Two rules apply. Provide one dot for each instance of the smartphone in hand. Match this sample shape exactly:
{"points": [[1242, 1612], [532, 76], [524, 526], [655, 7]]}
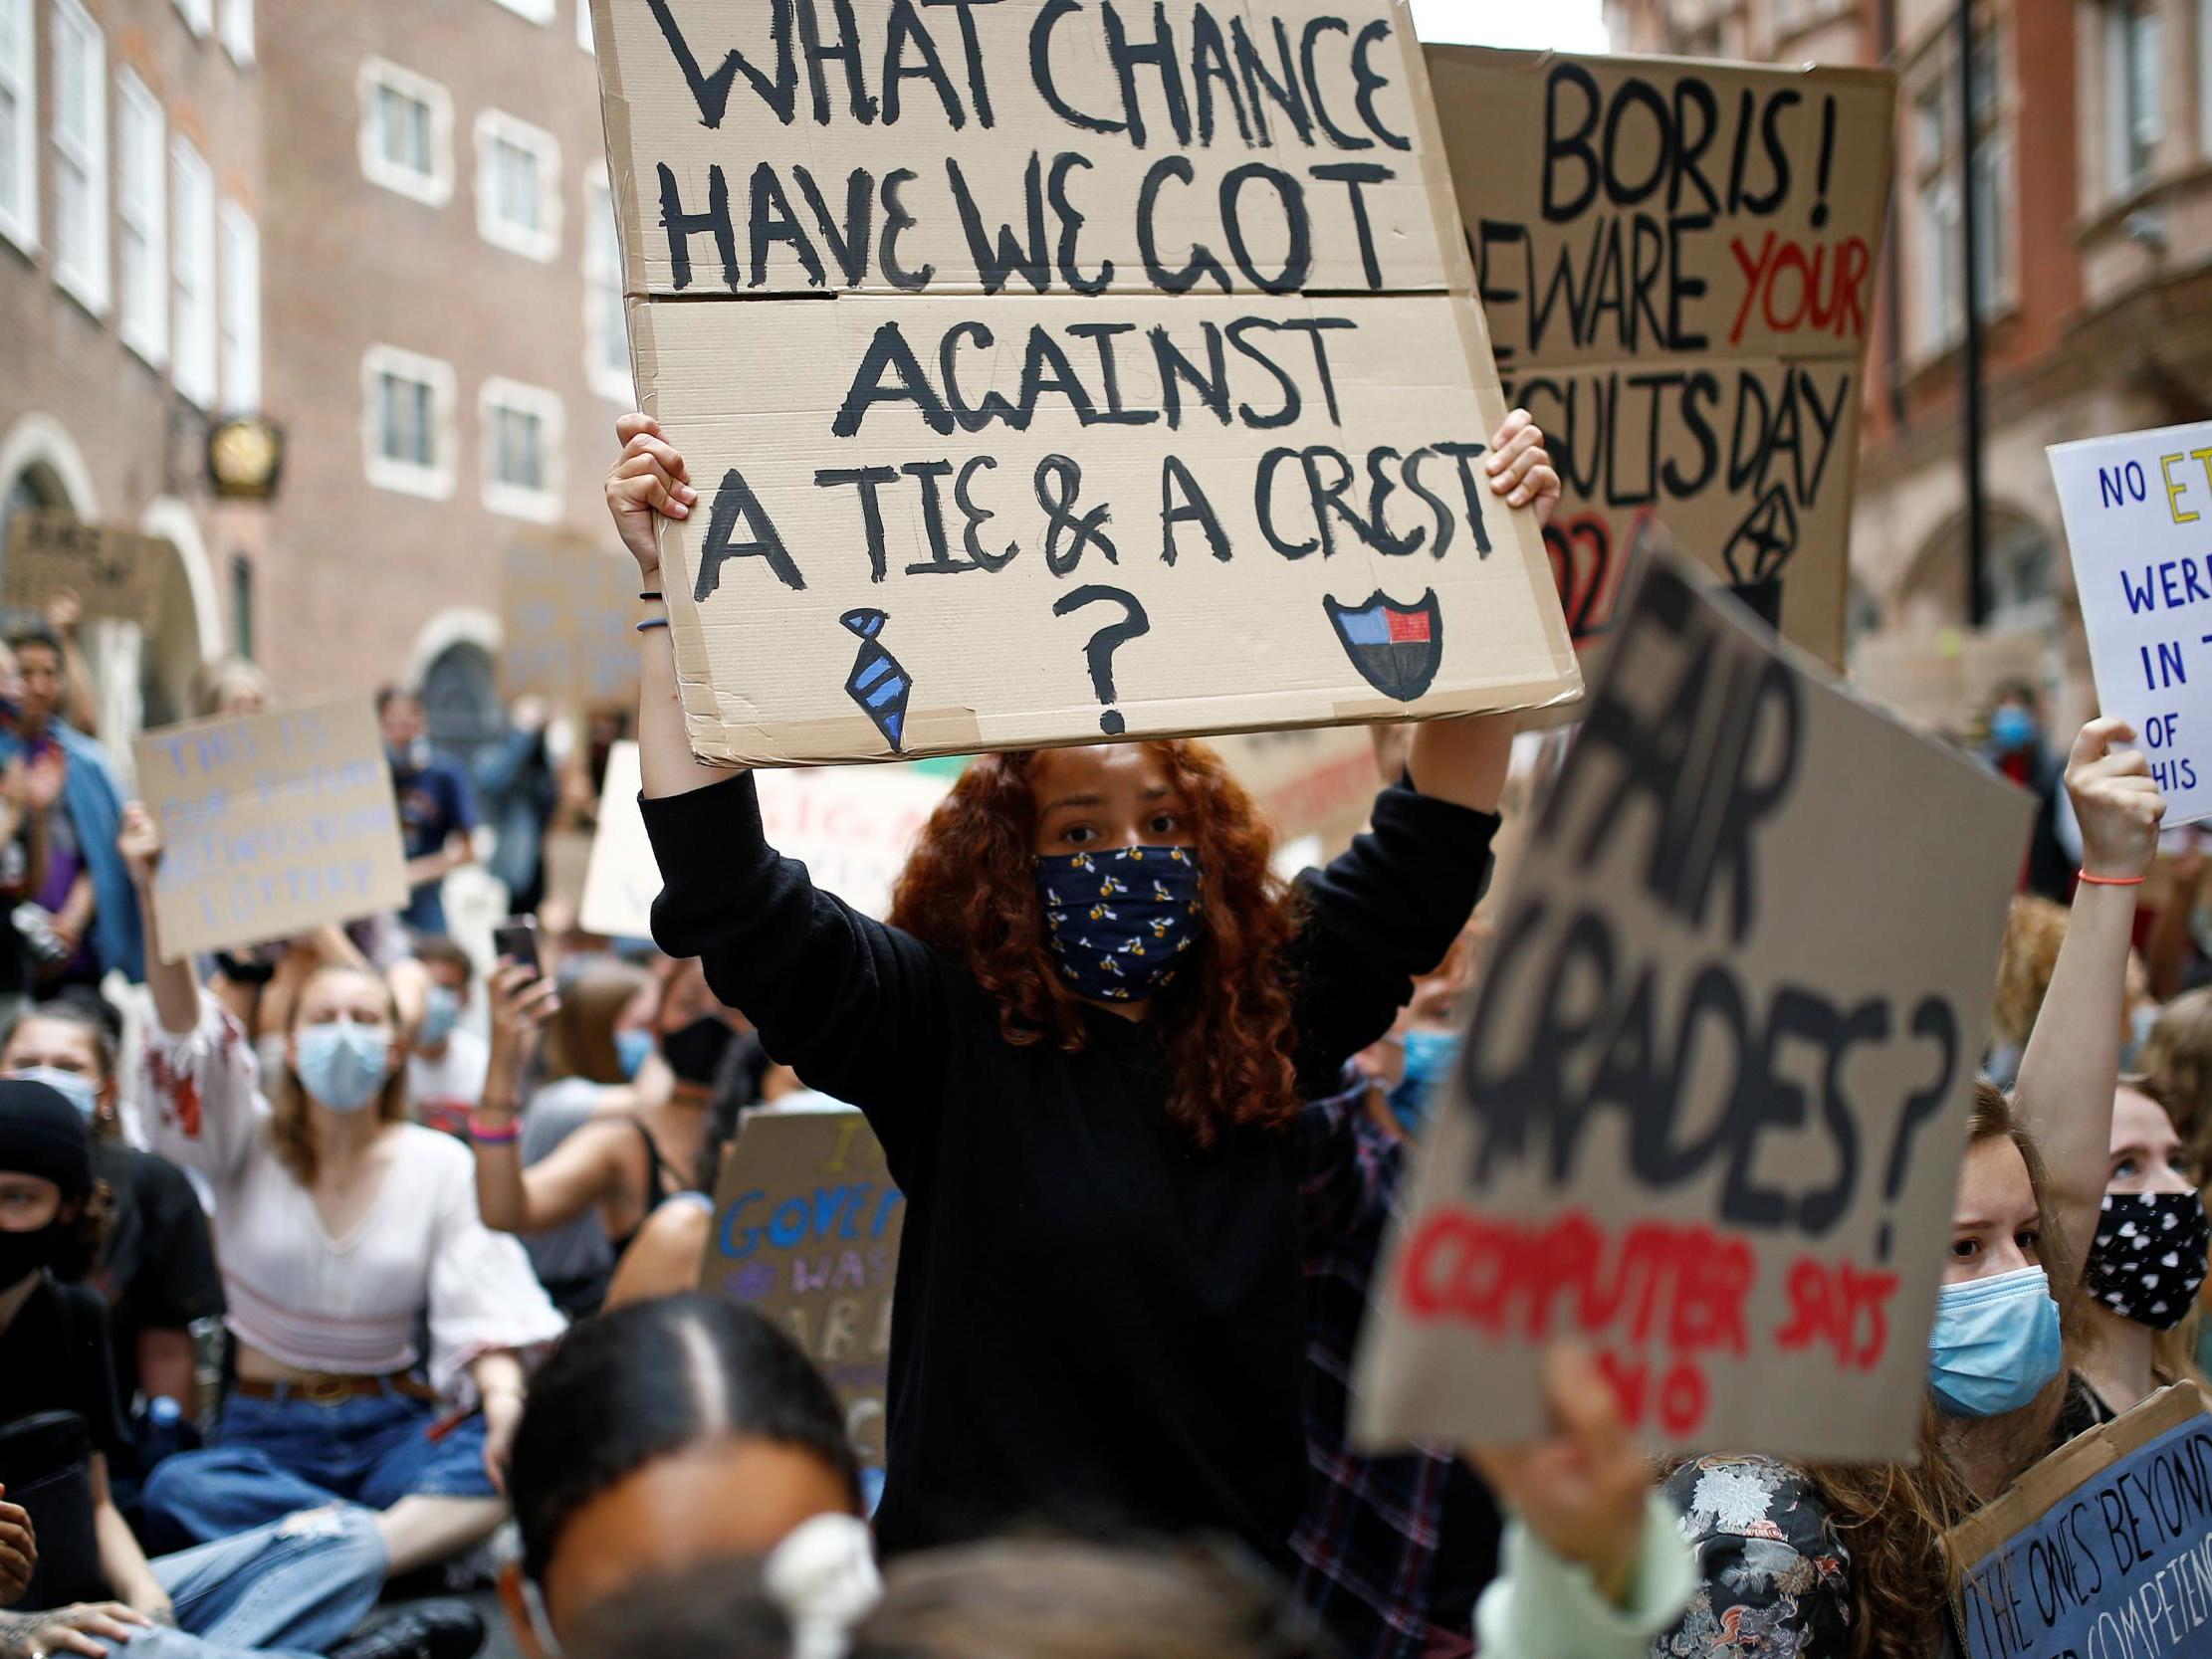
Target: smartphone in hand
{"points": [[515, 939]]}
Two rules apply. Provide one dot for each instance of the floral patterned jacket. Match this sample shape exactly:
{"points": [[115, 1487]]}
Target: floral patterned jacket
{"points": [[1773, 1575]]}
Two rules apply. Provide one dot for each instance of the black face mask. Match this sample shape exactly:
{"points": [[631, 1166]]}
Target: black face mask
{"points": [[245, 970], [695, 1053], [23, 1254], [2148, 1259]]}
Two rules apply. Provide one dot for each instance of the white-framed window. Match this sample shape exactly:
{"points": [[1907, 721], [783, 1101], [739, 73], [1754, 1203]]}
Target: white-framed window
{"points": [[80, 156], [584, 26], [524, 436], [198, 15], [517, 185], [235, 26], [407, 437], [538, 11], [141, 219], [19, 123], [2136, 111], [406, 132], [192, 274], [606, 325], [1938, 228], [240, 309]]}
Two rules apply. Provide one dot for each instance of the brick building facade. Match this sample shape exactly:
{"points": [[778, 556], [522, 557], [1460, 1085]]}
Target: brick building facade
{"points": [[2095, 136], [384, 227]]}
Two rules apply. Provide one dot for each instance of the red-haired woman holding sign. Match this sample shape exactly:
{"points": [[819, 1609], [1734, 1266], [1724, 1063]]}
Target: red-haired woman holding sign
{"points": [[1099, 1311]]}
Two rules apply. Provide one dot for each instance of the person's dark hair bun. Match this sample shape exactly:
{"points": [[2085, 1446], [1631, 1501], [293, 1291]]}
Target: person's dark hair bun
{"points": [[645, 1381]]}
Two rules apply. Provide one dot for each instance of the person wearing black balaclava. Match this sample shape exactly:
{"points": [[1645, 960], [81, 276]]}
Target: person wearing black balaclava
{"points": [[622, 1164], [298, 1586], [2146, 1257]]}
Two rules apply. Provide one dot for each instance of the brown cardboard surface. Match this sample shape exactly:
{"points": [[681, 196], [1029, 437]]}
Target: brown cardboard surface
{"points": [[807, 1230], [272, 824], [111, 571], [773, 174], [566, 607], [1697, 1056], [2125, 1568], [1678, 261], [1243, 643], [1026, 420]]}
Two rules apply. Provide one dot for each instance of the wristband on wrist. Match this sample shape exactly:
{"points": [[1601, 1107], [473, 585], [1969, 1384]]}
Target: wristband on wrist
{"points": [[652, 622], [494, 1135], [2089, 880], [652, 598]]}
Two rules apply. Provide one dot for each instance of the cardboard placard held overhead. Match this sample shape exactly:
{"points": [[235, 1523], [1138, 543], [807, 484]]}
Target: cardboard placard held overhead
{"points": [[567, 608], [272, 824], [2138, 518], [111, 571], [1709, 1110], [623, 878], [1041, 388], [2104, 1548], [851, 829], [1678, 261], [806, 1229]]}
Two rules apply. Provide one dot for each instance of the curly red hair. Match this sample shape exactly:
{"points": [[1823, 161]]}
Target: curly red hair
{"points": [[1226, 1022]]}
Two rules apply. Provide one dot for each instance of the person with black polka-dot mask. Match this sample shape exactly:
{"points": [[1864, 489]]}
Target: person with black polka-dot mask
{"points": [[2146, 1259]]}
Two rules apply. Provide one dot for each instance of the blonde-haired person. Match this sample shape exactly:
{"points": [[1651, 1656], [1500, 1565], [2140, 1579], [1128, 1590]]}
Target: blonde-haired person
{"points": [[2034, 929], [344, 1228], [1844, 1561], [230, 687]]}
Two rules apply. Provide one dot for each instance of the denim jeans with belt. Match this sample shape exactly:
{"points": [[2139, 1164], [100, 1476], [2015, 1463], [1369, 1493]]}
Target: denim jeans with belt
{"points": [[297, 1587], [269, 1458]]}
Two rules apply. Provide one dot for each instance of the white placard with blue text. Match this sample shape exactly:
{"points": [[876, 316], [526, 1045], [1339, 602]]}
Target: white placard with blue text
{"points": [[2139, 514]]}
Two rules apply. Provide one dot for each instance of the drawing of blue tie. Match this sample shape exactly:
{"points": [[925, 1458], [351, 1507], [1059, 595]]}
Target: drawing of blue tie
{"points": [[877, 682]]}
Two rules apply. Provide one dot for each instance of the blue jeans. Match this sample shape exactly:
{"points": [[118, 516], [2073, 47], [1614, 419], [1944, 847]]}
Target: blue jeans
{"points": [[270, 1458], [296, 1587]]}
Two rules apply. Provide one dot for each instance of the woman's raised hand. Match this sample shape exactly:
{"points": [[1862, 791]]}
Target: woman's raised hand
{"points": [[2117, 800], [649, 476], [1585, 1491]]}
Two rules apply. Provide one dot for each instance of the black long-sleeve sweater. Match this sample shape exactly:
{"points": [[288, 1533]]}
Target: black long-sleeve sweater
{"points": [[1096, 1324]]}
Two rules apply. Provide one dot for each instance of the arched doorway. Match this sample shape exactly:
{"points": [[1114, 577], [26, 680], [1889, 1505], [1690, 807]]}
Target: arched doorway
{"points": [[460, 700]]}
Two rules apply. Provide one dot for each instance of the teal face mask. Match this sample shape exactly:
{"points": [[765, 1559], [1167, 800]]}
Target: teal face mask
{"points": [[631, 1050], [441, 1012], [1429, 1057], [1995, 1345]]}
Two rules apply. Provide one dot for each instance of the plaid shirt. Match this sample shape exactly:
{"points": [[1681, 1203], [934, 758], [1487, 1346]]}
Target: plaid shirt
{"points": [[1368, 1544]]}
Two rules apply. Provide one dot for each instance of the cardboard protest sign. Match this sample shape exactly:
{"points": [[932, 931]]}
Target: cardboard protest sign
{"points": [[1678, 260], [272, 824], [1319, 781], [1709, 1110], [806, 1229], [2103, 1550], [852, 829], [1044, 382], [111, 571], [566, 610], [623, 878], [2138, 517]]}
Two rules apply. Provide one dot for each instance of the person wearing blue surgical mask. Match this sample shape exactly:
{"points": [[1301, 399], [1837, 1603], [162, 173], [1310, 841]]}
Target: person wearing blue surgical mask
{"points": [[157, 1263], [1801, 1559], [347, 1228], [2016, 751], [446, 1061]]}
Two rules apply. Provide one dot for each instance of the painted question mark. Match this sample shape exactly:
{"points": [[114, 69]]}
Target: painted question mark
{"points": [[1932, 1019], [1101, 648]]}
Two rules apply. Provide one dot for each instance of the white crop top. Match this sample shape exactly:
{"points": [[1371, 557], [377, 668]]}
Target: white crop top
{"points": [[347, 1306]]}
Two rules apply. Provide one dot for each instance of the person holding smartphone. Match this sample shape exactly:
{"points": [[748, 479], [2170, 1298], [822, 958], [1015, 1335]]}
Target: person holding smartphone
{"points": [[619, 1165], [345, 1227]]}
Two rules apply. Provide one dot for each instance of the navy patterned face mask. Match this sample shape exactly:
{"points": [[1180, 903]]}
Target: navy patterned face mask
{"points": [[1120, 922]]}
